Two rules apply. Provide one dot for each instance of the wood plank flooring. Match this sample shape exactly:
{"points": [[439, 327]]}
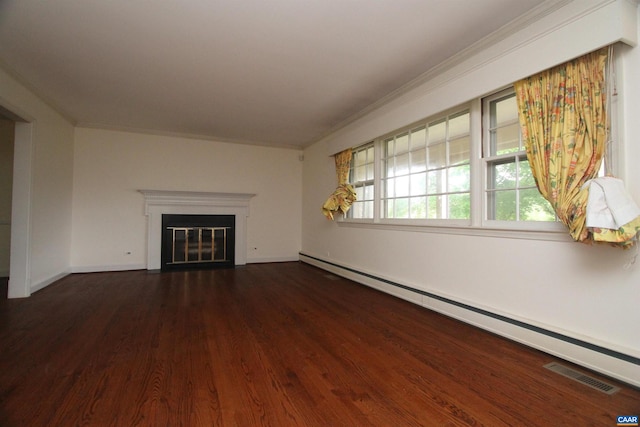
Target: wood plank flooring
{"points": [[281, 344]]}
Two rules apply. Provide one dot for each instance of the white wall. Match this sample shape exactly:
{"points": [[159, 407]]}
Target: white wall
{"points": [[110, 166], [47, 173], [583, 292]]}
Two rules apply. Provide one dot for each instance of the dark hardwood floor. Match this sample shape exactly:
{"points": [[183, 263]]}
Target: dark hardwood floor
{"points": [[269, 345]]}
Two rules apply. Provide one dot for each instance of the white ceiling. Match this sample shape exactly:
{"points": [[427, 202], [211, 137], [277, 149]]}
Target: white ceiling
{"points": [[276, 72]]}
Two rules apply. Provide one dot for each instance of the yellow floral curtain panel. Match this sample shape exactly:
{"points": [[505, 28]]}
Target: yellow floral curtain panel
{"points": [[344, 195], [563, 118]]}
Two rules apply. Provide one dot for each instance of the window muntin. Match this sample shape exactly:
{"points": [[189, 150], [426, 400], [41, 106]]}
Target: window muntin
{"points": [[361, 177], [426, 170], [510, 189]]}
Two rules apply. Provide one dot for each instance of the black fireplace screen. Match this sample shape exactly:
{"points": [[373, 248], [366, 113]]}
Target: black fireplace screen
{"points": [[197, 241]]}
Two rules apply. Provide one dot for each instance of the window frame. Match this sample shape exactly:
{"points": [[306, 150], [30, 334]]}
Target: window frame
{"points": [[446, 140], [488, 159], [356, 184]]}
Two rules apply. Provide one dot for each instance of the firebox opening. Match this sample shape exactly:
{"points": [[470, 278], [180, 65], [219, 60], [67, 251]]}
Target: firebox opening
{"points": [[197, 241]]}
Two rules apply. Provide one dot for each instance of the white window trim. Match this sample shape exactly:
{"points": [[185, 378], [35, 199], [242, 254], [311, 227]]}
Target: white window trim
{"points": [[462, 230]]}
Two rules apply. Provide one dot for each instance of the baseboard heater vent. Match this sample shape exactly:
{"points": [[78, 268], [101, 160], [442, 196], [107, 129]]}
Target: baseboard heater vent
{"points": [[582, 378]]}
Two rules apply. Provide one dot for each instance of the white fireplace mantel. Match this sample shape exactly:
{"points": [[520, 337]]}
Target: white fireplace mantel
{"points": [[159, 202]]}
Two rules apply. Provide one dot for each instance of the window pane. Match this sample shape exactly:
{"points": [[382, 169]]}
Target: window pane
{"points": [[460, 206], [418, 138], [505, 139], [389, 145], [401, 208], [355, 211], [361, 177], [534, 207], [506, 110], [437, 132], [402, 164], [368, 193], [389, 167], [437, 156], [459, 125], [389, 210], [459, 178], [526, 176], [459, 151], [502, 175], [418, 184], [436, 182], [368, 209], [419, 160], [418, 207], [435, 207], [388, 187], [402, 144], [370, 154], [402, 186], [504, 203], [369, 171]]}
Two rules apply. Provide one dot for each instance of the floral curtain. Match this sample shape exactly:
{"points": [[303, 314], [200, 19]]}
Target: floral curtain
{"points": [[563, 118], [344, 195]]}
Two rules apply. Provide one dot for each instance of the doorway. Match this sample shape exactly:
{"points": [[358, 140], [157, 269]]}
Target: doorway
{"points": [[18, 204]]}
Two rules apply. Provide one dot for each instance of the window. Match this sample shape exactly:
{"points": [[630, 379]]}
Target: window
{"points": [[510, 190], [463, 168], [426, 170], [361, 177]]}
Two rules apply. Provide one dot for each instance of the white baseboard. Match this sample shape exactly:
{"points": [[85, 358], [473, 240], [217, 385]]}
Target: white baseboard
{"points": [[36, 286], [128, 267], [599, 357], [103, 268], [271, 259]]}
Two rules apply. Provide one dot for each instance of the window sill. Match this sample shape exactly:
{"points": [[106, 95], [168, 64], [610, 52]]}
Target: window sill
{"points": [[505, 230]]}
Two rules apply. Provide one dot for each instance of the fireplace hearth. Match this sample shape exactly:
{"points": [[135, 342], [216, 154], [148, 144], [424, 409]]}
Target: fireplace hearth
{"points": [[197, 241]]}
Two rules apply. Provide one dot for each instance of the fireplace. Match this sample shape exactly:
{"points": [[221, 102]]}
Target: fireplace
{"points": [[197, 241], [158, 203]]}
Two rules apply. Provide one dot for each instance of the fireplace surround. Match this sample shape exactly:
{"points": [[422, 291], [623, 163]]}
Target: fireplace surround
{"points": [[159, 202]]}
